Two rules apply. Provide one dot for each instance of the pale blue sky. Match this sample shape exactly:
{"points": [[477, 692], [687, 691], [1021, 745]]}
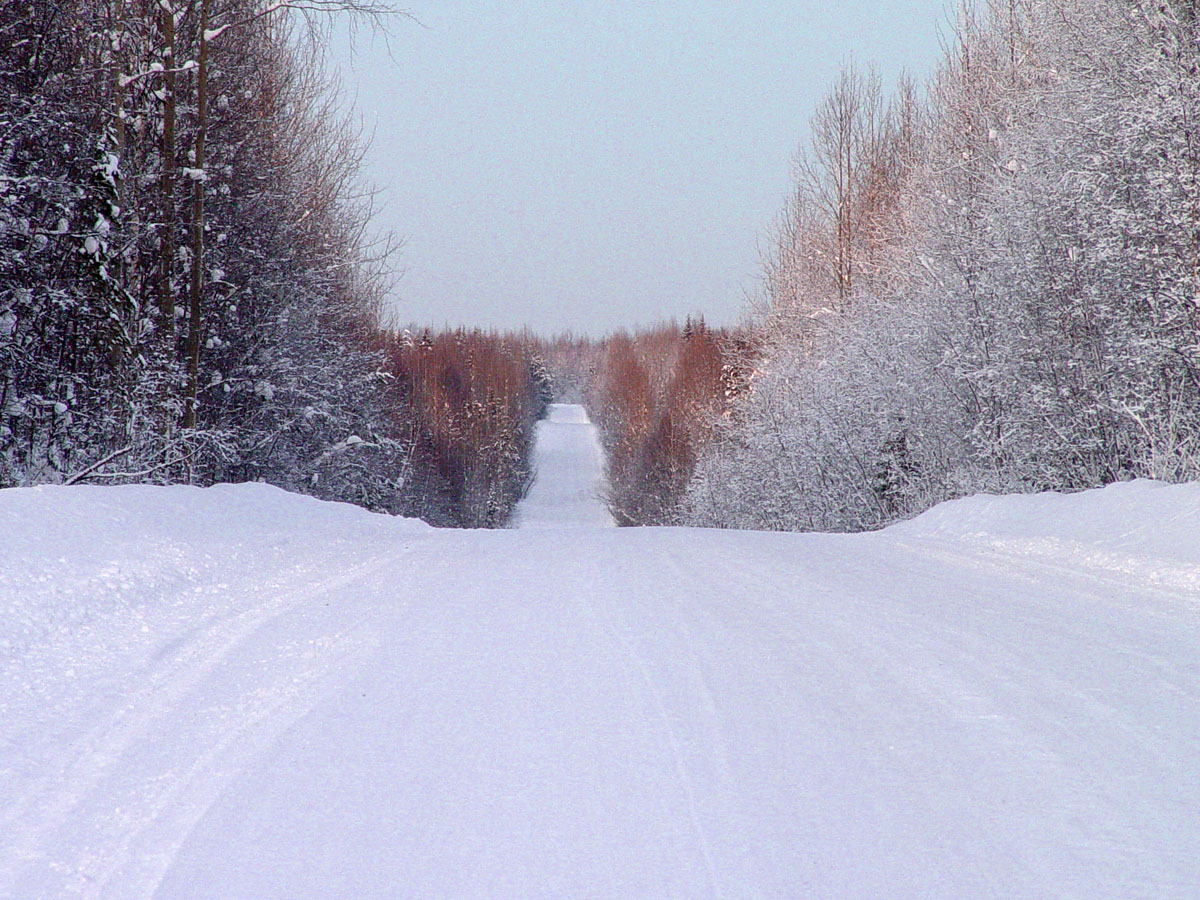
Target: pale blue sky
{"points": [[587, 166]]}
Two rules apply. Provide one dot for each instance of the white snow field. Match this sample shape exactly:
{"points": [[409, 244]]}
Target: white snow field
{"points": [[241, 694]]}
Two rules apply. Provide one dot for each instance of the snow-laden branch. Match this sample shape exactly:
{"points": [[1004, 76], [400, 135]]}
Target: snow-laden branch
{"points": [[369, 8], [156, 69]]}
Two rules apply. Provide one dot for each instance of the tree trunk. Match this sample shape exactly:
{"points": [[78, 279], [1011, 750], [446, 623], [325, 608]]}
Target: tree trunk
{"points": [[196, 284], [166, 293]]}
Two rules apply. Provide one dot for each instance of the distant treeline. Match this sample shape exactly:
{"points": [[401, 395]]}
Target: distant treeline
{"points": [[472, 400], [654, 396]]}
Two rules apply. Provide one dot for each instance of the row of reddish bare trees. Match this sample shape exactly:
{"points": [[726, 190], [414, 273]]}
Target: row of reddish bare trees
{"points": [[471, 401], [654, 396]]}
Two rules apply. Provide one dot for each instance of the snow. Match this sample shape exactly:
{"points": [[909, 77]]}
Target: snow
{"points": [[568, 473], [1145, 529], [242, 693]]}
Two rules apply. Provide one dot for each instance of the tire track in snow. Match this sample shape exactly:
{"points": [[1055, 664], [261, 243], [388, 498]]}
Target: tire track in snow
{"points": [[673, 742], [39, 812], [175, 814]]}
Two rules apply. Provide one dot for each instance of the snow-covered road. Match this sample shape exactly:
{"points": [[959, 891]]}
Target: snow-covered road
{"points": [[569, 473], [239, 693]]}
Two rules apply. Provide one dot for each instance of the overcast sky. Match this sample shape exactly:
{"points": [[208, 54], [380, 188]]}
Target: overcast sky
{"points": [[591, 165]]}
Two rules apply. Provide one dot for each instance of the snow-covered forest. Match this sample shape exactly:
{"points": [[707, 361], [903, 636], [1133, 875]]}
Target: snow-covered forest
{"points": [[185, 294], [987, 283], [186, 290]]}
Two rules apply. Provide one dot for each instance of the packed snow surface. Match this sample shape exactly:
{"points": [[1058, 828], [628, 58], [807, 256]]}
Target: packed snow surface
{"points": [[241, 694], [569, 473]]}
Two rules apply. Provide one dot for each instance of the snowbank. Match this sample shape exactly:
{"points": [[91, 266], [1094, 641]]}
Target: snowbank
{"points": [[1147, 530], [96, 580], [95, 549]]}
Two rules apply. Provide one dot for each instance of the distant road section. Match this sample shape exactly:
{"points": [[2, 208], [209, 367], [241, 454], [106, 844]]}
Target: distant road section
{"points": [[569, 473]]}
